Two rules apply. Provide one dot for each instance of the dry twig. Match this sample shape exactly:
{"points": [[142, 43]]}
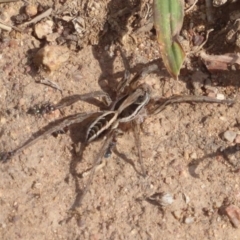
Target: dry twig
{"points": [[219, 62], [8, 27], [192, 6], [7, 1], [5, 27], [229, 58], [39, 17]]}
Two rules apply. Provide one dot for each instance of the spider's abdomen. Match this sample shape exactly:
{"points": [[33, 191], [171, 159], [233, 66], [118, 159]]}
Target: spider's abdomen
{"points": [[100, 125]]}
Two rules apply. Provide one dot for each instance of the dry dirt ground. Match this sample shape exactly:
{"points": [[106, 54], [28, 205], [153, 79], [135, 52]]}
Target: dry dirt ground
{"points": [[184, 152]]}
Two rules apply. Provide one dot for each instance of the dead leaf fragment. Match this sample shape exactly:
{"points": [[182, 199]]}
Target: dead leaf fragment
{"points": [[79, 25], [51, 57], [219, 62]]}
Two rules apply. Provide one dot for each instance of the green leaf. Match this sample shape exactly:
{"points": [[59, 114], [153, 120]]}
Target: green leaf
{"points": [[168, 20]]}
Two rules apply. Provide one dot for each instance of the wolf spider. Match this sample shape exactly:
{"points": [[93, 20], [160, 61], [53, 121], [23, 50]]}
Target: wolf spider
{"points": [[126, 108]]}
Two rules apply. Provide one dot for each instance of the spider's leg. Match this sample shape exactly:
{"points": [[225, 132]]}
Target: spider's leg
{"points": [[133, 82], [67, 101], [98, 167], [126, 81], [127, 74], [107, 154], [180, 99], [136, 132], [47, 130], [109, 138], [139, 77]]}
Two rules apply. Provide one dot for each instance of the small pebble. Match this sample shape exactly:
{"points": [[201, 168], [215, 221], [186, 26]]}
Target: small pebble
{"points": [[217, 204], [77, 76], [229, 135], [163, 199], [133, 231], [198, 80], [52, 37], [233, 212], [166, 199], [167, 180], [183, 173], [222, 118], [189, 220], [43, 29], [220, 96], [237, 139], [53, 115], [13, 44], [177, 214], [218, 3], [186, 154], [21, 102], [237, 196], [193, 155], [13, 135], [4, 17], [211, 94], [3, 120], [4, 225], [31, 10], [233, 67], [186, 198]]}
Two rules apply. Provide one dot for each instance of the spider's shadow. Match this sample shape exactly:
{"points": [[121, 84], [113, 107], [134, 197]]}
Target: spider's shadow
{"points": [[115, 28], [225, 153]]}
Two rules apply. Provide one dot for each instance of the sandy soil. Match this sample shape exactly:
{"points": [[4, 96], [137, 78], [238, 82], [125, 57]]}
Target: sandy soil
{"points": [[184, 151]]}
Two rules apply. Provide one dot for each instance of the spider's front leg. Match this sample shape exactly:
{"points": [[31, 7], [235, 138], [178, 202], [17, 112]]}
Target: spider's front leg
{"points": [[46, 108], [133, 83], [59, 124], [88, 97], [159, 107]]}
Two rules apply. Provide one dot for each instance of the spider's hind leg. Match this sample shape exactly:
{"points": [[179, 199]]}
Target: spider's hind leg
{"points": [[47, 130], [97, 161], [108, 152]]}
